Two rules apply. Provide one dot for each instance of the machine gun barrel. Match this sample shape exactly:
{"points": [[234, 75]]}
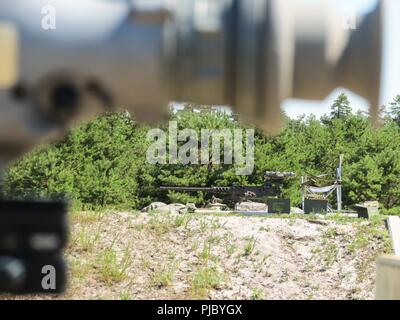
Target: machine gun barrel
{"points": [[214, 190], [276, 175], [248, 54], [251, 191], [187, 189]]}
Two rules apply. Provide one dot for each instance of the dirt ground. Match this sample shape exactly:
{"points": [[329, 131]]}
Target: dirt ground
{"points": [[163, 256]]}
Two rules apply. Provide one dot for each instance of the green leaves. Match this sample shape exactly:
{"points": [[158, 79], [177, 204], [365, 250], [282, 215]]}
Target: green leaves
{"points": [[96, 165], [394, 109], [341, 107], [103, 163]]}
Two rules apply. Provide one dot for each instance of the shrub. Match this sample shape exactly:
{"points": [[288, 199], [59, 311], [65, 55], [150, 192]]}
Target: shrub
{"points": [[103, 163]]}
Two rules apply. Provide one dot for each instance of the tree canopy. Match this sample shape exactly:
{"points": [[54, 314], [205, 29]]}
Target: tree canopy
{"points": [[103, 162], [341, 109]]}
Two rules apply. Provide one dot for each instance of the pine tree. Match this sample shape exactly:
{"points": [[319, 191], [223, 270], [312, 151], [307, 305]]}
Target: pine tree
{"points": [[341, 107], [394, 110]]}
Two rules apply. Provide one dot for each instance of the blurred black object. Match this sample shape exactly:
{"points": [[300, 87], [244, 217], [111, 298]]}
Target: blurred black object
{"points": [[32, 238]]}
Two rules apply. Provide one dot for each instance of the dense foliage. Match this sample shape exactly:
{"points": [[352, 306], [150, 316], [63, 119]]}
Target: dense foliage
{"points": [[103, 163]]}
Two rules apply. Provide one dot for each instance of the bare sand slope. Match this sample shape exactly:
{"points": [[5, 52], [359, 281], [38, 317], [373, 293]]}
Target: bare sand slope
{"points": [[159, 256]]}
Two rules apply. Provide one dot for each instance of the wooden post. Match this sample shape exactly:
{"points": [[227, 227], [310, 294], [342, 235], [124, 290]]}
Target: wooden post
{"points": [[393, 224], [339, 182], [388, 278], [302, 192], [388, 273]]}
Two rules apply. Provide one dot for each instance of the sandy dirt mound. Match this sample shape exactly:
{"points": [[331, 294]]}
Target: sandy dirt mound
{"points": [[164, 256]]}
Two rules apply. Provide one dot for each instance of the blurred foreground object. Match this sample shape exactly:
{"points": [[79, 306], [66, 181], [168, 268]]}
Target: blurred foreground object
{"points": [[388, 266], [32, 238], [77, 60], [388, 278]]}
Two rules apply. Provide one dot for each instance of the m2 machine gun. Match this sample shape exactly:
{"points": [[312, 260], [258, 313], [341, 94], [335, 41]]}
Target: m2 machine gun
{"points": [[231, 195]]}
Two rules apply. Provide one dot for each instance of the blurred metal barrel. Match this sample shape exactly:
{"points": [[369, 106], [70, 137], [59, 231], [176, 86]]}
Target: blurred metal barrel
{"points": [[140, 55]]}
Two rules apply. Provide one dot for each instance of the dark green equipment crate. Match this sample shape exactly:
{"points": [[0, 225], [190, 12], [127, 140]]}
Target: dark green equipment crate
{"points": [[366, 212], [315, 206], [278, 205]]}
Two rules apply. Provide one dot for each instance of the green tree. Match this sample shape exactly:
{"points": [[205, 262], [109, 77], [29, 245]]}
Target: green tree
{"points": [[96, 165], [103, 163], [394, 109], [196, 174], [340, 108]]}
